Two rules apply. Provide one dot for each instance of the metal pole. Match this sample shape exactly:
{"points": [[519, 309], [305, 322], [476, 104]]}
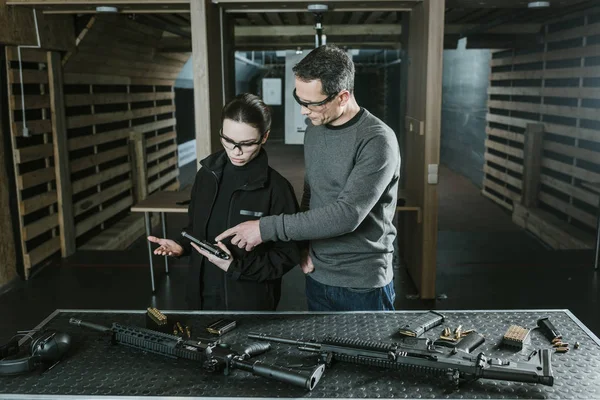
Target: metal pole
{"points": [[149, 233], [164, 229], [318, 38], [597, 241]]}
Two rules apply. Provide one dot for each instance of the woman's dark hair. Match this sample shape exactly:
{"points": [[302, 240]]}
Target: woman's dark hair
{"points": [[331, 65], [248, 109]]}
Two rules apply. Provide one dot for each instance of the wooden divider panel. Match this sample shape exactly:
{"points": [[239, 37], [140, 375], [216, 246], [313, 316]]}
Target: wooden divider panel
{"points": [[101, 118], [556, 85], [33, 156], [115, 85]]}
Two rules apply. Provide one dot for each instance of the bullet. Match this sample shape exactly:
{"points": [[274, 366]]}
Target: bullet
{"points": [[448, 338]]}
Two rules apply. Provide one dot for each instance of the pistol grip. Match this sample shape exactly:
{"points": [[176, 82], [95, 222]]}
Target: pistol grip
{"points": [[470, 342]]}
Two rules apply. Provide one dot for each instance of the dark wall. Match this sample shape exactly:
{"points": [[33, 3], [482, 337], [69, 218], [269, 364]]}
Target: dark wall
{"points": [[393, 88], [186, 131], [378, 89], [464, 108], [184, 106], [368, 90]]}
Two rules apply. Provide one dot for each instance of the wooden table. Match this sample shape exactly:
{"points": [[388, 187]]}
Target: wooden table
{"points": [[595, 187], [161, 202]]}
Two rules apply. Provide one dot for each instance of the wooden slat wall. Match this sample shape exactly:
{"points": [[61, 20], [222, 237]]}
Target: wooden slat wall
{"points": [[558, 86], [33, 157], [115, 83], [99, 150]]}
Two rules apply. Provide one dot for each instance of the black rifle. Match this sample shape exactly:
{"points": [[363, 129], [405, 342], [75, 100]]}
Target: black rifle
{"points": [[214, 355], [421, 355]]}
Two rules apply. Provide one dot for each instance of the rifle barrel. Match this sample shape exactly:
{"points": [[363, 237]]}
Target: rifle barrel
{"points": [[263, 336], [96, 327]]}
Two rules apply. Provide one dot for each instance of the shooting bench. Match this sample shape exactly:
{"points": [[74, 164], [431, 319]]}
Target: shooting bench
{"points": [[95, 368]]}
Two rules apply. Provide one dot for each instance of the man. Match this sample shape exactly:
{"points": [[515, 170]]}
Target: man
{"points": [[352, 170]]}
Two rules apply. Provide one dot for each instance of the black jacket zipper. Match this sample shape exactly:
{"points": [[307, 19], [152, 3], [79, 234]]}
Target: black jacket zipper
{"points": [[206, 231]]}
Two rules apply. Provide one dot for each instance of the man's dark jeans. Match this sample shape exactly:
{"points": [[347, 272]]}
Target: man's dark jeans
{"points": [[322, 297]]}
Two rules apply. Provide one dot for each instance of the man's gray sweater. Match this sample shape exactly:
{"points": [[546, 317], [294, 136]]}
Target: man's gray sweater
{"points": [[351, 186]]}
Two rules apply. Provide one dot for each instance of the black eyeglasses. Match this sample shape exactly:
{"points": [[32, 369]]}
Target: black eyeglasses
{"points": [[231, 145], [314, 104]]}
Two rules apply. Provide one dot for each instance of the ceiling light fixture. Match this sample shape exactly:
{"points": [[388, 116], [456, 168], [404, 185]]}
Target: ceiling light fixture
{"points": [[538, 4], [107, 9], [318, 10]]}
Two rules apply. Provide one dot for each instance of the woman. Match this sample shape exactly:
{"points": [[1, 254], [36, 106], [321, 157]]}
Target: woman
{"points": [[235, 185]]}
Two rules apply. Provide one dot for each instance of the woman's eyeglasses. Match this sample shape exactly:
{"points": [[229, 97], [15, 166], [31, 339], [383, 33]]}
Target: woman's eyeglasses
{"points": [[231, 145]]}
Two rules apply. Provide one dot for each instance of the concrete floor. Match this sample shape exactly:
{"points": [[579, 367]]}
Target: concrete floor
{"points": [[484, 262]]}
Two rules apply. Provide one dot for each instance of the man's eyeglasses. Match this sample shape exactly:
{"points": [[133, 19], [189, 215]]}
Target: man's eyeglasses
{"points": [[243, 146], [314, 104]]}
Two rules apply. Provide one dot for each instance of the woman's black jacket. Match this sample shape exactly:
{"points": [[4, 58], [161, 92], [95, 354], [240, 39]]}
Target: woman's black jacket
{"points": [[253, 281]]}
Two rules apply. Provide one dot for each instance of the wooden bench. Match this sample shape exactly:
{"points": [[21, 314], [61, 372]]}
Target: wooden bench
{"points": [[402, 207]]}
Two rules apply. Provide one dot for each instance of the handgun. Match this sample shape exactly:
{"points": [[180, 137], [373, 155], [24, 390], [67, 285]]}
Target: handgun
{"points": [[216, 251]]}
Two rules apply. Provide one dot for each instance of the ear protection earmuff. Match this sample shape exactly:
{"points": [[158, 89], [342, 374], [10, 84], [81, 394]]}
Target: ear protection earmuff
{"points": [[45, 348]]}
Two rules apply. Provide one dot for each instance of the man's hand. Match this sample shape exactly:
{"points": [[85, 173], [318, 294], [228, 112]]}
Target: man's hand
{"points": [[245, 235], [306, 263], [219, 262], [167, 247]]}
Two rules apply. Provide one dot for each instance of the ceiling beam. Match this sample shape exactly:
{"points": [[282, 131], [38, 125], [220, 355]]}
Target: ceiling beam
{"points": [[95, 3], [308, 30], [310, 44], [509, 29], [370, 29], [387, 35], [154, 22], [89, 7], [362, 4], [183, 6], [304, 10]]}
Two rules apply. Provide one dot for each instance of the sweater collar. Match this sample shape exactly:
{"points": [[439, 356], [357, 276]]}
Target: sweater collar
{"points": [[348, 123]]}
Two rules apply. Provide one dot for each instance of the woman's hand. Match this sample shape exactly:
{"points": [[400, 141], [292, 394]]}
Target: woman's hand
{"points": [[219, 262], [167, 247], [306, 262]]}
